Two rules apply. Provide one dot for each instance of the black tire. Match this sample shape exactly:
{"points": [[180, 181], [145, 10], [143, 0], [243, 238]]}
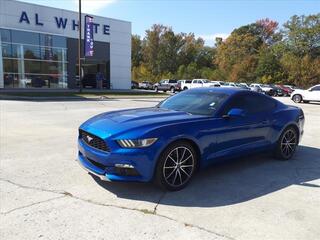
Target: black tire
{"points": [[156, 89], [174, 175], [185, 88], [172, 90], [287, 144], [297, 98]]}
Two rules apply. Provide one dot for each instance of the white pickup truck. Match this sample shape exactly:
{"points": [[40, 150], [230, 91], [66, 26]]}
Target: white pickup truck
{"points": [[196, 83]]}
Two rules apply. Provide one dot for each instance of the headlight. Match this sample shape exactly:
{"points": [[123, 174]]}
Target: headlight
{"points": [[136, 143]]}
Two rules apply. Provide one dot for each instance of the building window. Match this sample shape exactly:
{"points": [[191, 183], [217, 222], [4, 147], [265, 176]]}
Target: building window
{"points": [[33, 60]]}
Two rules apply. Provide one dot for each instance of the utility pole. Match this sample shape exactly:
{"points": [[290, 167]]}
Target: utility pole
{"points": [[79, 47]]}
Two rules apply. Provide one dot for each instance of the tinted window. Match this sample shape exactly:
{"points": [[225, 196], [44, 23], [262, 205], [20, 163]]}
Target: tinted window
{"points": [[188, 81], [25, 37], [5, 35], [251, 104], [172, 81], [317, 88], [202, 103], [52, 41]]}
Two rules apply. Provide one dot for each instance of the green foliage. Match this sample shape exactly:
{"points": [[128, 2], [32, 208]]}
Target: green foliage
{"points": [[257, 52]]}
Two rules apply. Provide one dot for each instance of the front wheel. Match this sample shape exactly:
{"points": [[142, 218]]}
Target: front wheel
{"points": [[297, 98], [156, 89], [172, 90], [176, 166], [287, 144]]}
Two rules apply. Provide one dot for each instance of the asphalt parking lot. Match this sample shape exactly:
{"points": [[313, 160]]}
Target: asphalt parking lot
{"points": [[46, 195]]}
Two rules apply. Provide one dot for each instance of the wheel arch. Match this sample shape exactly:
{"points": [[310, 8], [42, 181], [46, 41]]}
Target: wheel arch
{"points": [[191, 141], [297, 94], [291, 124]]}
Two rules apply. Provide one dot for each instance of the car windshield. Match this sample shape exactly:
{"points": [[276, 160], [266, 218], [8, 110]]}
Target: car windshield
{"points": [[199, 103]]}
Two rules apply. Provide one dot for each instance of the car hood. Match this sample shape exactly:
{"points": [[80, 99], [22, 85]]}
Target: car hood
{"points": [[114, 123]]}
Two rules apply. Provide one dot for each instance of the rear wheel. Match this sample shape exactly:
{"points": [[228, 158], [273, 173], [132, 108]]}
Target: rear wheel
{"points": [[297, 98], [287, 144], [172, 90], [185, 88], [176, 166]]}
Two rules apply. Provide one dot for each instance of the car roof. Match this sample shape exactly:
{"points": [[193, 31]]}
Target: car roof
{"points": [[226, 90]]}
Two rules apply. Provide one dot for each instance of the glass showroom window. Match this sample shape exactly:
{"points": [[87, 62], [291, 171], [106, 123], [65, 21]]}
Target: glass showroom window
{"points": [[33, 60]]}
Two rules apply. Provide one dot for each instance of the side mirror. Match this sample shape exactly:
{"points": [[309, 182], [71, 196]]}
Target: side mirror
{"points": [[235, 112]]}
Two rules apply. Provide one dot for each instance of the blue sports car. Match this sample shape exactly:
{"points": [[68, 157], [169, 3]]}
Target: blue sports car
{"points": [[188, 131]]}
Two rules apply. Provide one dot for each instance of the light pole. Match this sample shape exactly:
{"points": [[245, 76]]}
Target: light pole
{"points": [[79, 47]]}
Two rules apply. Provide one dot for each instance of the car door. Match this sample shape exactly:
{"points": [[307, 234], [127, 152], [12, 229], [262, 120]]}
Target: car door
{"points": [[197, 84], [164, 85], [250, 131], [314, 94]]}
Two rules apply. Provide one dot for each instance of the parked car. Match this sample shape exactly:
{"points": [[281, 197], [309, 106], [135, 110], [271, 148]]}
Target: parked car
{"points": [[239, 85], [244, 84], [145, 85], [183, 84], [230, 84], [215, 84], [89, 80], [197, 83], [312, 94], [167, 85], [134, 85], [265, 88], [276, 90], [256, 88], [286, 91], [189, 131]]}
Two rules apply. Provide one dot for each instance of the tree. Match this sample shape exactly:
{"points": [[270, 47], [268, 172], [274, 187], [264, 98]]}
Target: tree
{"points": [[237, 57], [269, 69], [302, 35], [136, 51]]}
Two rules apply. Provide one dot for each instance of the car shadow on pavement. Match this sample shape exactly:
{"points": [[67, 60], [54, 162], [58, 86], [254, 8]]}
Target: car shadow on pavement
{"points": [[231, 182]]}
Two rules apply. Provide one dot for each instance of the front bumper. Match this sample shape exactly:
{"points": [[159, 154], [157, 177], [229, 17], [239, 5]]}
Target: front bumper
{"points": [[120, 165]]}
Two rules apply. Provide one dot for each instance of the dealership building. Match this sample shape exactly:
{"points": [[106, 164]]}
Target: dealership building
{"points": [[39, 49]]}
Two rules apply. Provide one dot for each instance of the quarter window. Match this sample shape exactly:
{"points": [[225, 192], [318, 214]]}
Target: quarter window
{"points": [[251, 104]]}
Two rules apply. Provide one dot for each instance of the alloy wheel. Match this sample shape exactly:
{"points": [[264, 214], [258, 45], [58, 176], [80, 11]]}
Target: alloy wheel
{"points": [[178, 166], [288, 143], [297, 98]]}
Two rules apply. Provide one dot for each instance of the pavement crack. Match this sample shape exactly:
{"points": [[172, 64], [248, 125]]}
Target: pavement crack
{"points": [[36, 188], [156, 206], [146, 211], [30, 205], [143, 211]]}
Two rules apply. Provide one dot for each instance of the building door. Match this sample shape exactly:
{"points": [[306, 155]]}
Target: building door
{"points": [[89, 72]]}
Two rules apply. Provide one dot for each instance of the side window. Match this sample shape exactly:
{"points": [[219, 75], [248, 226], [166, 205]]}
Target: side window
{"points": [[251, 104], [236, 102], [257, 104], [317, 88]]}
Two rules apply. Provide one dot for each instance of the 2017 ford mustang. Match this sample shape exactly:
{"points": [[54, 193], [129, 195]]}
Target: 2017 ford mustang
{"points": [[190, 130]]}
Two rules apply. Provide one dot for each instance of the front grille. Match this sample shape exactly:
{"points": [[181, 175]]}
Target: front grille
{"points": [[93, 141]]}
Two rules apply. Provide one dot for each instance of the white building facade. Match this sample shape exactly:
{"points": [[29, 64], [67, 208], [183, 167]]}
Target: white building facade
{"points": [[39, 49]]}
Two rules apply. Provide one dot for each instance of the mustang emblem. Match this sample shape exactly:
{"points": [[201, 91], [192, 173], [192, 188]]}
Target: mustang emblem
{"points": [[89, 139]]}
